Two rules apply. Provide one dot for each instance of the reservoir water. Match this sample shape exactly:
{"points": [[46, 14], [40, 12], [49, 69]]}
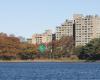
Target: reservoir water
{"points": [[49, 71]]}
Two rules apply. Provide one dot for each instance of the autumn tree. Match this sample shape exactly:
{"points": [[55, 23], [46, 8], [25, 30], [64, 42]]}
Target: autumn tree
{"points": [[27, 51], [62, 48], [9, 46], [12, 48]]}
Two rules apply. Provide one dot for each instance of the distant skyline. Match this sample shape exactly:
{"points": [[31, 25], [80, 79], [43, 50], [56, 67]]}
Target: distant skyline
{"points": [[26, 17]]}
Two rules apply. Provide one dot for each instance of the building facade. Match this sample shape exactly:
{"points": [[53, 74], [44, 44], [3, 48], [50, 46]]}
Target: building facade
{"points": [[29, 41], [66, 29], [46, 37], [86, 28], [82, 28]]}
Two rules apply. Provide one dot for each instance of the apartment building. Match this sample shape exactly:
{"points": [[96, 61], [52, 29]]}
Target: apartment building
{"points": [[82, 28], [46, 37], [86, 28], [65, 29], [29, 41]]}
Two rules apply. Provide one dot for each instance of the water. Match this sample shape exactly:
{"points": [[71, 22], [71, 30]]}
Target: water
{"points": [[50, 71]]}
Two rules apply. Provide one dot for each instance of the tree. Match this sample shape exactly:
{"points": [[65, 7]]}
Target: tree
{"points": [[90, 51], [28, 51], [12, 48], [61, 48], [8, 47]]}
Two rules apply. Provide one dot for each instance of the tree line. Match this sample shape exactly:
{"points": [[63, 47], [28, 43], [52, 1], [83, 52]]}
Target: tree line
{"points": [[11, 48], [90, 51]]}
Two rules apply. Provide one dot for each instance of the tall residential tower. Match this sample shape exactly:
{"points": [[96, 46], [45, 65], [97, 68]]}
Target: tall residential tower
{"points": [[86, 28], [82, 28], [66, 29]]}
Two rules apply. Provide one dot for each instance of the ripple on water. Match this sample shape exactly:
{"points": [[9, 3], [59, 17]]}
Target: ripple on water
{"points": [[49, 71]]}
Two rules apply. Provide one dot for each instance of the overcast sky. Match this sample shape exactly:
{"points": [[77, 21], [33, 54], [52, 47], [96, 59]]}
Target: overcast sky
{"points": [[26, 17]]}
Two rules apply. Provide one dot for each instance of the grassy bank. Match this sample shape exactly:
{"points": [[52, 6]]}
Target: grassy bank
{"points": [[45, 60]]}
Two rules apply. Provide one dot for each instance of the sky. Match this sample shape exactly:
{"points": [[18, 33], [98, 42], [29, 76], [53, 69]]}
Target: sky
{"points": [[26, 17]]}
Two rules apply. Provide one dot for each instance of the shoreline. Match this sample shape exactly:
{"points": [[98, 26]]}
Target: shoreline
{"points": [[42, 60], [50, 60]]}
